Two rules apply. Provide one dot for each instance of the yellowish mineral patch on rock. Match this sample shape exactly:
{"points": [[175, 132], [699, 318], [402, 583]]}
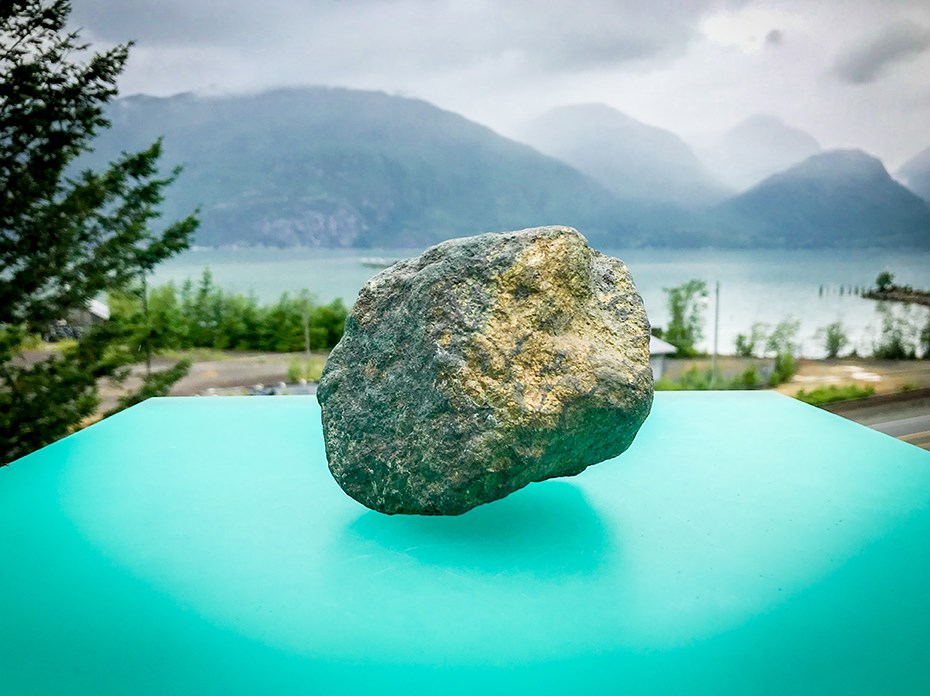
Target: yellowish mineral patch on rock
{"points": [[547, 333]]}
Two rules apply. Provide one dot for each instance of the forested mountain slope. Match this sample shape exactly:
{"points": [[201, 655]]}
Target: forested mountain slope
{"points": [[337, 167]]}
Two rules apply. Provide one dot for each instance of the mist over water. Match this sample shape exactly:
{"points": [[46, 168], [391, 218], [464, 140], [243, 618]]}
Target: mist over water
{"points": [[755, 285]]}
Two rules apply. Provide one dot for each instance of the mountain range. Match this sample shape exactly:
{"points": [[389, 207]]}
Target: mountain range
{"points": [[337, 167], [755, 149], [633, 160], [916, 174], [835, 198]]}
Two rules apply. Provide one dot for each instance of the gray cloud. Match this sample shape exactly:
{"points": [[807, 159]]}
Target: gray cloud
{"points": [[869, 59], [502, 61], [335, 38]]}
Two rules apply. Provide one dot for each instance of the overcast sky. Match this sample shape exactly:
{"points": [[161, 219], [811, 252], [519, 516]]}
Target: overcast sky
{"points": [[853, 73]]}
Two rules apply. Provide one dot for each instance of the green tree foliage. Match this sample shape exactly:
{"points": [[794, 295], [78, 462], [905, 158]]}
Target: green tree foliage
{"points": [[65, 237], [781, 342], [686, 316], [925, 339], [781, 339], [884, 281], [158, 384], [204, 316], [834, 338], [749, 344], [899, 334]]}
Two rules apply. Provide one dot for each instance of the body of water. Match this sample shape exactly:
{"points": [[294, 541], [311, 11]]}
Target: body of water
{"points": [[755, 286]]}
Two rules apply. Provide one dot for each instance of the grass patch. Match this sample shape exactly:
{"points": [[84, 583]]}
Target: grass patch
{"points": [[309, 369], [36, 343], [829, 393], [199, 354], [696, 379]]}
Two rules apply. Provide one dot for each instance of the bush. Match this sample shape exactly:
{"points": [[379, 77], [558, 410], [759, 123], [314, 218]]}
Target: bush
{"points": [[830, 393], [781, 342], [693, 379], [925, 339], [748, 344], [834, 338], [696, 379], [748, 379], [785, 368], [900, 335], [666, 384], [309, 370]]}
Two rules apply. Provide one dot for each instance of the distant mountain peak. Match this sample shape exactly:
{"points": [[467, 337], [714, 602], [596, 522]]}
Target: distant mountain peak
{"points": [[840, 198], [594, 114], [757, 147], [919, 161], [634, 160], [769, 124], [845, 164], [760, 120], [916, 174]]}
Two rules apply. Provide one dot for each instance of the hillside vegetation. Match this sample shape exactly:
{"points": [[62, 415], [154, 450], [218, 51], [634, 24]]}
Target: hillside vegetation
{"points": [[836, 198], [347, 168], [336, 167]]}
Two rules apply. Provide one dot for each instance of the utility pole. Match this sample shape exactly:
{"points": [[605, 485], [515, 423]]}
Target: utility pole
{"points": [[713, 363], [306, 318], [148, 324]]}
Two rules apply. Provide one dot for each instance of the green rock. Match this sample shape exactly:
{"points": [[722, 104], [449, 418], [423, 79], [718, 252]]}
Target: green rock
{"points": [[483, 365]]}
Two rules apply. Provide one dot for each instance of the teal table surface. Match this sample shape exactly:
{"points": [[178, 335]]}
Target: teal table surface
{"points": [[746, 543]]}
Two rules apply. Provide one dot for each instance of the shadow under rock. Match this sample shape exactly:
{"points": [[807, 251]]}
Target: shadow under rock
{"points": [[547, 529]]}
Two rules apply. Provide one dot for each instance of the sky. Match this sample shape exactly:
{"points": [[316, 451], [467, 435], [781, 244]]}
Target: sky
{"points": [[852, 73]]}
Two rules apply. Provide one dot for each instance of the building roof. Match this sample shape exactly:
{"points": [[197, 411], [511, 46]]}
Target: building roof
{"points": [[101, 311], [659, 347]]}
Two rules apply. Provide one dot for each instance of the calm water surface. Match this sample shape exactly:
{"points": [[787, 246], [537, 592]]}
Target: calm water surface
{"points": [[765, 286]]}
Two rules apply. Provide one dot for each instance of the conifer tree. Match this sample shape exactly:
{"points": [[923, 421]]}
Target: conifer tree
{"points": [[66, 236]]}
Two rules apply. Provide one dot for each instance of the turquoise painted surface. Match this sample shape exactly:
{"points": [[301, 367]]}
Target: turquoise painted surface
{"points": [[745, 543]]}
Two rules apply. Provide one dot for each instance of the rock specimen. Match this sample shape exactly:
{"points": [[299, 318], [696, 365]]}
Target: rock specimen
{"points": [[483, 365]]}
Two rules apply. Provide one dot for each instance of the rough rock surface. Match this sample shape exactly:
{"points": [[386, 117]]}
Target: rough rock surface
{"points": [[483, 365]]}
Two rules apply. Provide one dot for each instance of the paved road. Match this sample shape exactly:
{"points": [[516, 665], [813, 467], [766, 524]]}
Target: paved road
{"points": [[904, 416], [911, 428]]}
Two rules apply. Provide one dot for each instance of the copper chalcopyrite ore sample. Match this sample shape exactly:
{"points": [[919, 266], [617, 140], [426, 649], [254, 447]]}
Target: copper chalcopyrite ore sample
{"points": [[483, 365]]}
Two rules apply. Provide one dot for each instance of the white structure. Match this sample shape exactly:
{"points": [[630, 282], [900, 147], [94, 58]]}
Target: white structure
{"points": [[98, 310], [658, 349]]}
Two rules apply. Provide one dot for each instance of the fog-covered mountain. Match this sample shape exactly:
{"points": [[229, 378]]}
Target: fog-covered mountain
{"points": [[635, 161], [916, 174], [338, 167], [755, 149], [839, 198]]}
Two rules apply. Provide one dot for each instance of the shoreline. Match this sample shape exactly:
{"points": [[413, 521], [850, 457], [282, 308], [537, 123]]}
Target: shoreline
{"points": [[903, 295]]}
